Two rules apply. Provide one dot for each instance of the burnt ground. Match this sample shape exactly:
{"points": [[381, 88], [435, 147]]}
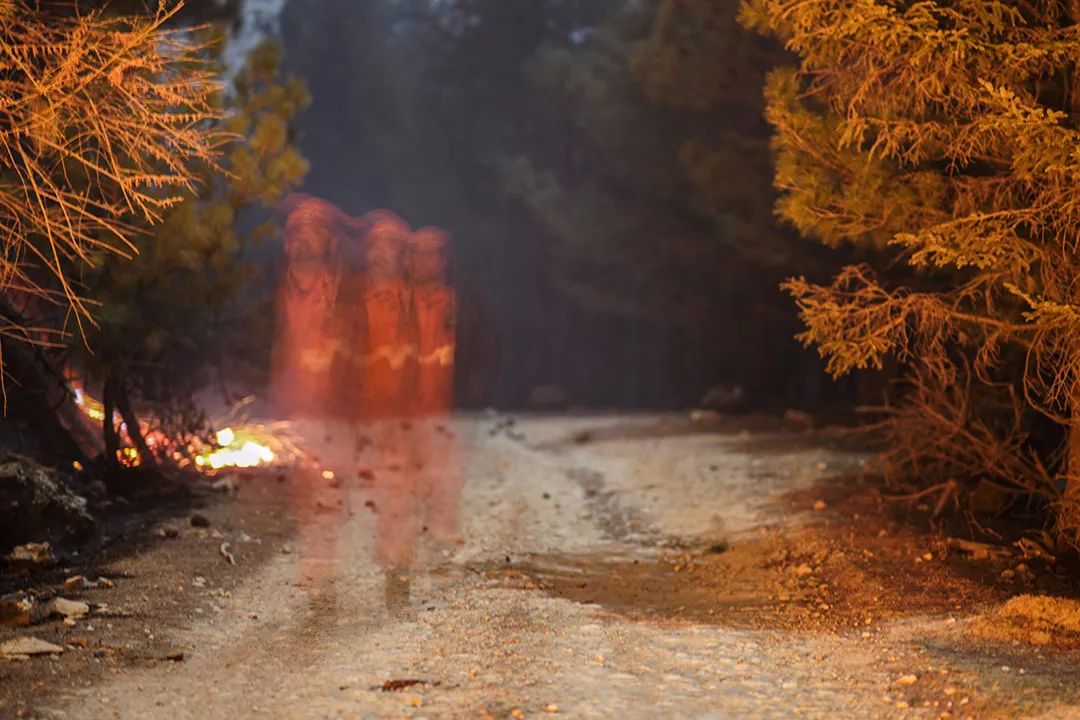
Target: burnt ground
{"points": [[828, 579]]}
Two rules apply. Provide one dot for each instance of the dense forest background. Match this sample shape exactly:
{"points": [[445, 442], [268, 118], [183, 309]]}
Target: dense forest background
{"points": [[605, 170]]}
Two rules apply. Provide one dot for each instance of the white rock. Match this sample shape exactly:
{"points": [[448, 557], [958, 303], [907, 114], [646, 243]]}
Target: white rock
{"points": [[25, 646], [68, 608]]}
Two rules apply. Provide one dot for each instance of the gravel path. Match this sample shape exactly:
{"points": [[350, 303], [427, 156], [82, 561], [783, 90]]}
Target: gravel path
{"points": [[473, 647]]}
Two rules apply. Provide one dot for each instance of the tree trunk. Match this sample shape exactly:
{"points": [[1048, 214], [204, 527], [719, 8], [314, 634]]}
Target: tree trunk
{"points": [[134, 431], [1068, 514]]}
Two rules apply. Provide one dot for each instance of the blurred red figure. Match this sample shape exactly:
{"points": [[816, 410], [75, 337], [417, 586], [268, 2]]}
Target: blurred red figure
{"points": [[383, 340], [434, 451], [308, 334], [382, 347], [375, 323]]}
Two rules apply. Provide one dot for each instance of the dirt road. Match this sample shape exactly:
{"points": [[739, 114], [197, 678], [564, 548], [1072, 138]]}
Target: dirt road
{"points": [[560, 603]]}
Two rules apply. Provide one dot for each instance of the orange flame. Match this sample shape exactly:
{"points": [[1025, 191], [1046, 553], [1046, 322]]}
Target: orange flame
{"points": [[236, 445]]}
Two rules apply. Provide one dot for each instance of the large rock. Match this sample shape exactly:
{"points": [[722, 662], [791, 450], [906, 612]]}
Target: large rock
{"points": [[18, 609], [36, 505]]}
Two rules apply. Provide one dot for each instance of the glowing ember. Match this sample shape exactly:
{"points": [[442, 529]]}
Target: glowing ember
{"points": [[226, 437], [93, 409], [245, 447], [250, 454], [130, 457]]}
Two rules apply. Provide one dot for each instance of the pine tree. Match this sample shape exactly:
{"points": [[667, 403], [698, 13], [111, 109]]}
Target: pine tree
{"points": [[944, 134], [104, 121], [171, 315], [664, 210], [699, 63]]}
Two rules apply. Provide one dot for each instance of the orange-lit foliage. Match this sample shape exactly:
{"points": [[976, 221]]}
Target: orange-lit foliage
{"points": [[102, 122], [945, 136]]}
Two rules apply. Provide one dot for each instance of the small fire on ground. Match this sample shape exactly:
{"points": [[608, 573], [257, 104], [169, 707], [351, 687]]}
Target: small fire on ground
{"points": [[244, 447], [238, 444]]}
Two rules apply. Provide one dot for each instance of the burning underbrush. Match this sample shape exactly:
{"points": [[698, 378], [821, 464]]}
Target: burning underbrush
{"points": [[231, 441]]}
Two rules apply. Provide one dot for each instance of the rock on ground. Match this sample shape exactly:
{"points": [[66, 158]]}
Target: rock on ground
{"points": [[36, 505]]}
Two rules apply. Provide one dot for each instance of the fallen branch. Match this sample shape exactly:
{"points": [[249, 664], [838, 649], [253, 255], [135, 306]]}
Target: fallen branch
{"points": [[978, 550]]}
